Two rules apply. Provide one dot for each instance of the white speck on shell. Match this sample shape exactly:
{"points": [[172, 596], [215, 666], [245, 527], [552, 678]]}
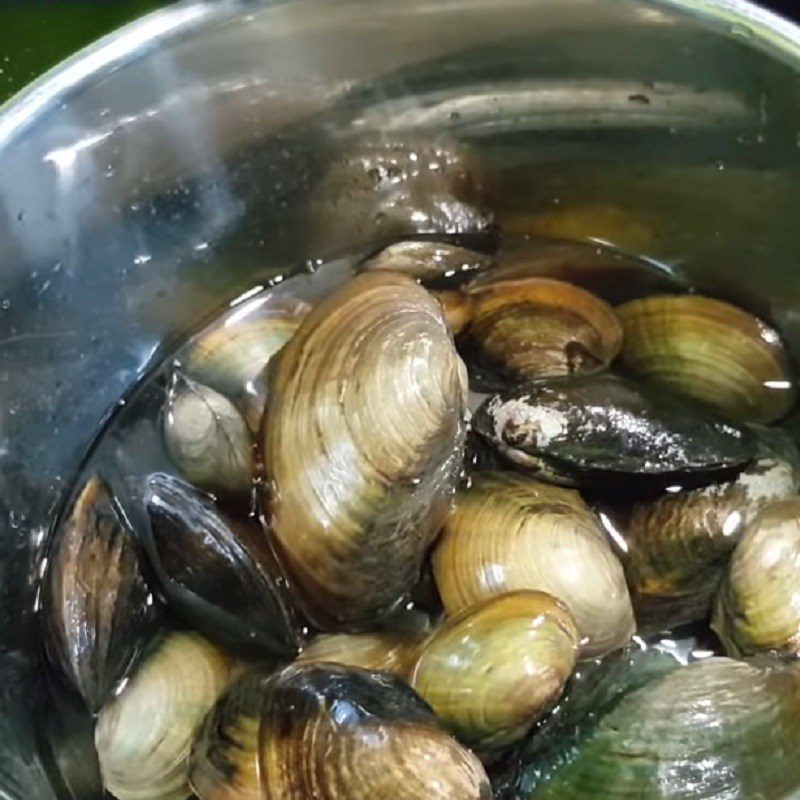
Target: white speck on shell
{"points": [[528, 424]]}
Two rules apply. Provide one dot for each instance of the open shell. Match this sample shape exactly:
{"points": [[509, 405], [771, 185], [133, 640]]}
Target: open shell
{"points": [[331, 733], [144, 735], [758, 603], [490, 672], [711, 351], [362, 446], [539, 327], [98, 610], [218, 571], [509, 532]]}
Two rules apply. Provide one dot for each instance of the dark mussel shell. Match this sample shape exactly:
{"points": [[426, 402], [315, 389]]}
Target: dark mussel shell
{"points": [[329, 732], [217, 571], [604, 432], [98, 610]]}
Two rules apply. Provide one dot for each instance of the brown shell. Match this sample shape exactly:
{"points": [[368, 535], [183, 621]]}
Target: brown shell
{"points": [[509, 532], [330, 733], [539, 327], [98, 609], [428, 261], [457, 308], [711, 351], [490, 672], [362, 446]]}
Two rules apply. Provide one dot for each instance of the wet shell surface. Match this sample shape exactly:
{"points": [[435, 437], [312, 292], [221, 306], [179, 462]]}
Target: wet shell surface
{"points": [[676, 546], [375, 652], [457, 308], [758, 603], [539, 327], [508, 532], [331, 733], [144, 735], [218, 571], [428, 261], [99, 612], [362, 447], [490, 672], [711, 351], [207, 438], [602, 431]]}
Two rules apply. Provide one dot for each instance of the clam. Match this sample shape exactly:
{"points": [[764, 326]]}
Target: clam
{"points": [[711, 351], [207, 438], [610, 274], [600, 222], [538, 327], [457, 309], [508, 532], [758, 602], [383, 188], [376, 652], [218, 571], [331, 733], [604, 432], [144, 735], [490, 672], [362, 447], [676, 546], [230, 356], [712, 730], [98, 610], [428, 261]]}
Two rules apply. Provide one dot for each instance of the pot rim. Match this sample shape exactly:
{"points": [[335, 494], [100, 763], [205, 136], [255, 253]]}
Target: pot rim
{"points": [[132, 40]]}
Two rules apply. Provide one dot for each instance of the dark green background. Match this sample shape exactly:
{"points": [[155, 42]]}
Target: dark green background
{"points": [[35, 34]]}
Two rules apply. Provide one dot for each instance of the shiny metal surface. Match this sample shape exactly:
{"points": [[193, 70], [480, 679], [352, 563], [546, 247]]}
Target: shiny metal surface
{"points": [[164, 171]]}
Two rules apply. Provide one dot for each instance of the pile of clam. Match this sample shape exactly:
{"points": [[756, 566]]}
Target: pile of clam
{"points": [[410, 531]]}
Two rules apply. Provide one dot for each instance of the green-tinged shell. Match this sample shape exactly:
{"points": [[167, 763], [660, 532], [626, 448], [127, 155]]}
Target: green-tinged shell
{"points": [[610, 274], [490, 672], [219, 571], [98, 610], [713, 730], [758, 602], [600, 431], [508, 532], [144, 735], [676, 546], [384, 188], [231, 355], [534, 327], [207, 438], [362, 447], [428, 261], [376, 652], [330, 733], [711, 351]]}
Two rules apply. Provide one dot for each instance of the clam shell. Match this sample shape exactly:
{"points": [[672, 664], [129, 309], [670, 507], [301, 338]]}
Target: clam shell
{"points": [[362, 447], [331, 733], [607, 273], [711, 351], [376, 652], [599, 222], [508, 532], [218, 571], [758, 602], [382, 188], [144, 735], [675, 547], [207, 438], [457, 309], [715, 729], [600, 431], [490, 672], [538, 327], [98, 610], [428, 261]]}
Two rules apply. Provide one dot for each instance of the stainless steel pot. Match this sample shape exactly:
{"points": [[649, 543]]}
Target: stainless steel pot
{"points": [[165, 169]]}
